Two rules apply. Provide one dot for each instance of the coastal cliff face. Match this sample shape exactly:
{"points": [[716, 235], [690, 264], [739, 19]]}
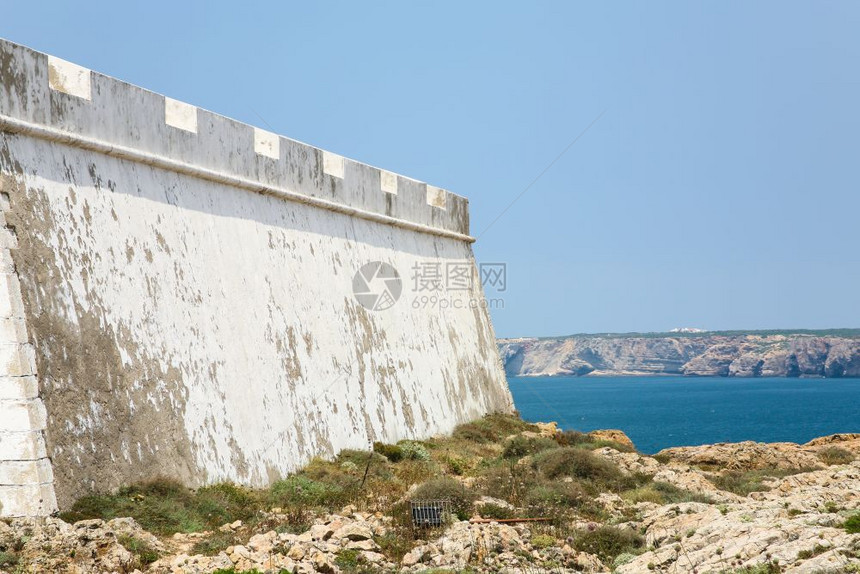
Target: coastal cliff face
{"points": [[720, 355]]}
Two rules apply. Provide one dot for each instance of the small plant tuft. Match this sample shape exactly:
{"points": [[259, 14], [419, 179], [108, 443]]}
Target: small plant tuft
{"points": [[741, 483], [495, 511], [852, 524], [145, 553], [519, 446], [542, 541], [446, 488], [607, 542], [583, 465], [8, 559], [390, 451], [835, 455], [492, 428], [413, 450]]}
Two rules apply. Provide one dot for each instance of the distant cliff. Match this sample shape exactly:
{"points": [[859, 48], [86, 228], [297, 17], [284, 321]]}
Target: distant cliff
{"points": [[717, 354]]}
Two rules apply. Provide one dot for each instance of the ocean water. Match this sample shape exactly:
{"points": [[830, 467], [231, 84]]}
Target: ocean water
{"points": [[660, 412]]}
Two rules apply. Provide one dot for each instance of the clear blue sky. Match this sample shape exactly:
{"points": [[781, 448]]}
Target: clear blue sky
{"points": [[721, 189]]}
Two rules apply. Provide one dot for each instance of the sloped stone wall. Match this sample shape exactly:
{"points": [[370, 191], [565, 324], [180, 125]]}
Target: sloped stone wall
{"points": [[178, 296]]}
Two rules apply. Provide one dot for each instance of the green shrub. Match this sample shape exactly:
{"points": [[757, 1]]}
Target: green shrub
{"points": [[548, 497], [664, 493], [572, 438], [390, 451], [347, 559], [359, 458], [445, 488], [302, 491], [814, 551], [456, 465], [622, 559], [520, 446], [607, 542], [645, 493], [145, 553], [508, 481], [745, 482], [164, 506], [8, 559], [225, 502], [414, 471], [412, 450], [492, 428], [852, 524], [345, 473], [741, 483], [584, 465], [395, 544], [542, 541], [835, 455], [214, 543], [495, 511]]}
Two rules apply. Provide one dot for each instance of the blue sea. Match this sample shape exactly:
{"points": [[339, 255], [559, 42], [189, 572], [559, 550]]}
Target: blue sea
{"points": [[660, 412]]}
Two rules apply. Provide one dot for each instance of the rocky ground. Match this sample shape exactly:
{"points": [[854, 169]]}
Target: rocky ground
{"points": [[740, 508]]}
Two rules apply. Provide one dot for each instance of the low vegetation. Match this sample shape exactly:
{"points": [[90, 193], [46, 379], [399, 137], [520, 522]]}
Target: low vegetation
{"points": [[525, 473], [766, 568], [165, 507], [607, 542], [445, 488], [835, 455], [746, 482], [8, 559], [664, 493], [584, 440], [144, 553]]}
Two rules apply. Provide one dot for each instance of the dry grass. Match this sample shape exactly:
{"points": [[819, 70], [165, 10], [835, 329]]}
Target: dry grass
{"points": [[540, 476]]}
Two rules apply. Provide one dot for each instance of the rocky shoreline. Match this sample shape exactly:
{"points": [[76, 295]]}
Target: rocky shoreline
{"points": [[730, 508], [717, 355]]}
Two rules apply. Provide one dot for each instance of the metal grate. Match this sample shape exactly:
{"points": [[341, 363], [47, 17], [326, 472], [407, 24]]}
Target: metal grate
{"points": [[430, 513]]}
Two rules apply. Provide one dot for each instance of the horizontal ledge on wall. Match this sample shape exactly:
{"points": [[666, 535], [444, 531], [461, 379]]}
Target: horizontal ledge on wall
{"points": [[17, 126]]}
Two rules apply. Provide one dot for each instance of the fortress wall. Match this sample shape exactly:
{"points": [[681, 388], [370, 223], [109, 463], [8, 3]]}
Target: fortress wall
{"points": [[176, 296]]}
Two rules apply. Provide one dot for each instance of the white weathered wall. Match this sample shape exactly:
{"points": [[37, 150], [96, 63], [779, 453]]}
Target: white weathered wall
{"points": [[26, 480], [186, 295]]}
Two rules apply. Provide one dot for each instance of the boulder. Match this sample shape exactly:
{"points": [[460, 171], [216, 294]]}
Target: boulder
{"points": [[613, 435]]}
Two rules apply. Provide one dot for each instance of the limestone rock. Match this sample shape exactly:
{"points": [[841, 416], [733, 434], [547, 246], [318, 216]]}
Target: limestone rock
{"points": [[613, 435], [354, 531], [549, 429], [322, 564], [745, 455], [794, 523], [631, 462]]}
